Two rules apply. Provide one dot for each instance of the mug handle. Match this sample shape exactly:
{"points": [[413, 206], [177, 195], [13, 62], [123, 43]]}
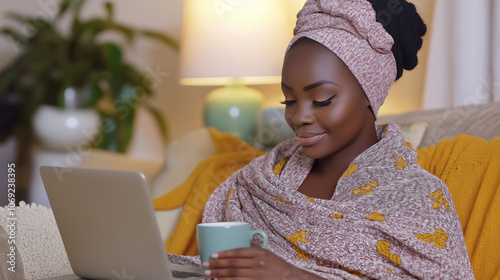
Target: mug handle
{"points": [[263, 234]]}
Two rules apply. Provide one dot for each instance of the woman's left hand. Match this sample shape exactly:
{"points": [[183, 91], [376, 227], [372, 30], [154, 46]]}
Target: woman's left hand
{"points": [[252, 263]]}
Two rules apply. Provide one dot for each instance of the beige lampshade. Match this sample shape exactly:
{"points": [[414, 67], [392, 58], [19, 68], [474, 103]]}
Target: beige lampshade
{"points": [[228, 41]]}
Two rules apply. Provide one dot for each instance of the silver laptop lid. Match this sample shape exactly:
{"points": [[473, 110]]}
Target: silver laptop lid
{"points": [[107, 223]]}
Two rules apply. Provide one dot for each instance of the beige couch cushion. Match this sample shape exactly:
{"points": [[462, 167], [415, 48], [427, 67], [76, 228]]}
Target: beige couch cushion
{"points": [[38, 242], [476, 120]]}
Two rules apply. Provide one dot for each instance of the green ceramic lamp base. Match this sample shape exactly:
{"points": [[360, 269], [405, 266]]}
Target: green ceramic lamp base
{"points": [[235, 109]]}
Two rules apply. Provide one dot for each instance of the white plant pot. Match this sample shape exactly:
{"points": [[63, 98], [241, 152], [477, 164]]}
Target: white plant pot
{"points": [[65, 129]]}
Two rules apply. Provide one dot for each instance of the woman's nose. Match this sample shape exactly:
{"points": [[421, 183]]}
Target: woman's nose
{"points": [[303, 115]]}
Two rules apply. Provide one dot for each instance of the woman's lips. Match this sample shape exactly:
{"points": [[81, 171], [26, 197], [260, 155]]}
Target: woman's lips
{"points": [[308, 140]]}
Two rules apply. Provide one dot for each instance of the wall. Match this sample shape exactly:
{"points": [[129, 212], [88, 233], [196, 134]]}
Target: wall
{"points": [[182, 106]]}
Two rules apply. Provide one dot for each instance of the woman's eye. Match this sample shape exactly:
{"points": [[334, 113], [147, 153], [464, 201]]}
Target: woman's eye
{"points": [[324, 102], [288, 102]]}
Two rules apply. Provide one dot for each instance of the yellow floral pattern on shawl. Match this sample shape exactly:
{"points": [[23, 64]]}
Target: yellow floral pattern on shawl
{"points": [[309, 198], [284, 201], [277, 169], [439, 238], [228, 196], [350, 170], [376, 216], [383, 248], [399, 163], [440, 200], [366, 189], [337, 216], [408, 144], [295, 239]]}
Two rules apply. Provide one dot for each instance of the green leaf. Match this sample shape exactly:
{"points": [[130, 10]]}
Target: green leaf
{"points": [[131, 74], [16, 36], [70, 5], [125, 131], [128, 96], [94, 89], [31, 101], [117, 132], [63, 7], [9, 76], [35, 23], [17, 17], [41, 65], [75, 74], [61, 100], [107, 140], [163, 38], [75, 25], [112, 57], [110, 12], [126, 31], [86, 32]]}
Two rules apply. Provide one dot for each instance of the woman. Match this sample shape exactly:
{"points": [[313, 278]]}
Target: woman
{"points": [[345, 199]]}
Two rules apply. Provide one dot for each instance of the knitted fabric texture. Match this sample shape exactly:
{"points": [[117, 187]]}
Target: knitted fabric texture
{"points": [[350, 30], [232, 154], [38, 241], [470, 167], [387, 218]]}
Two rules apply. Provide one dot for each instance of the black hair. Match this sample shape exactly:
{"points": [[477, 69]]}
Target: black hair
{"points": [[402, 21]]}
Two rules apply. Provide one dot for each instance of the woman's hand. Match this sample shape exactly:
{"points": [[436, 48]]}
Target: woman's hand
{"points": [[252, 263]]}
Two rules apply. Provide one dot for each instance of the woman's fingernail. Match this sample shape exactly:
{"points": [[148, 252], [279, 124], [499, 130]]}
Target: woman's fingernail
{"points": [[205, 264], [207, 272], [215, 256]]}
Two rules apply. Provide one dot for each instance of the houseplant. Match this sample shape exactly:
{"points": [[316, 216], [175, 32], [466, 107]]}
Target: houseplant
{"points": [[51, 61]]}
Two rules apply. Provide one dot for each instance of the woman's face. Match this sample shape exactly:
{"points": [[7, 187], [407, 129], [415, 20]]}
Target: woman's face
{"points": [[325, 105]]}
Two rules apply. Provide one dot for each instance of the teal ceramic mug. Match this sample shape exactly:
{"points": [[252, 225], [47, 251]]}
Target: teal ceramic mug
{"points": [[216, 237]]}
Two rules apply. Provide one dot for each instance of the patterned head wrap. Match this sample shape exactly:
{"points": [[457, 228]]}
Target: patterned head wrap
{"points": [[350, 30]]}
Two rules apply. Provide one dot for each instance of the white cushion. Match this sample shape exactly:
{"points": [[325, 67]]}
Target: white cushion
{"points": [[182, 157], [38, 241], [414, 133]]}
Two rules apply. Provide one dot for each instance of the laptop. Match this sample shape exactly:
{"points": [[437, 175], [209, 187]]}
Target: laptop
{"points": [[108, 225]]}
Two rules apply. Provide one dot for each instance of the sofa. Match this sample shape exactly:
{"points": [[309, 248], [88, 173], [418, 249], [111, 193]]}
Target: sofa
{"points": [[40, 252]]}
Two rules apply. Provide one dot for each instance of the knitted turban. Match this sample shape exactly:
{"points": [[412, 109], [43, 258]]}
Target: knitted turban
{"points": [[350, 30]]}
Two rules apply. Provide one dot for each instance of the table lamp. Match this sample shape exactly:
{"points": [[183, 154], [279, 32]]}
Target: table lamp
{"points": [[233, 44]]}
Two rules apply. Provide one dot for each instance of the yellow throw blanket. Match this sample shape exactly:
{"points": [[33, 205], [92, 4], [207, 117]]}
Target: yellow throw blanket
{"points": [[232, 154], [470, 167]]}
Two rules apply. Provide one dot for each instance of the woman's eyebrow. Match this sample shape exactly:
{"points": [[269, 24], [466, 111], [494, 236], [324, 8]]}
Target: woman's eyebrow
{"points": [[317, 84], [286, 87], [311, 86]]}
